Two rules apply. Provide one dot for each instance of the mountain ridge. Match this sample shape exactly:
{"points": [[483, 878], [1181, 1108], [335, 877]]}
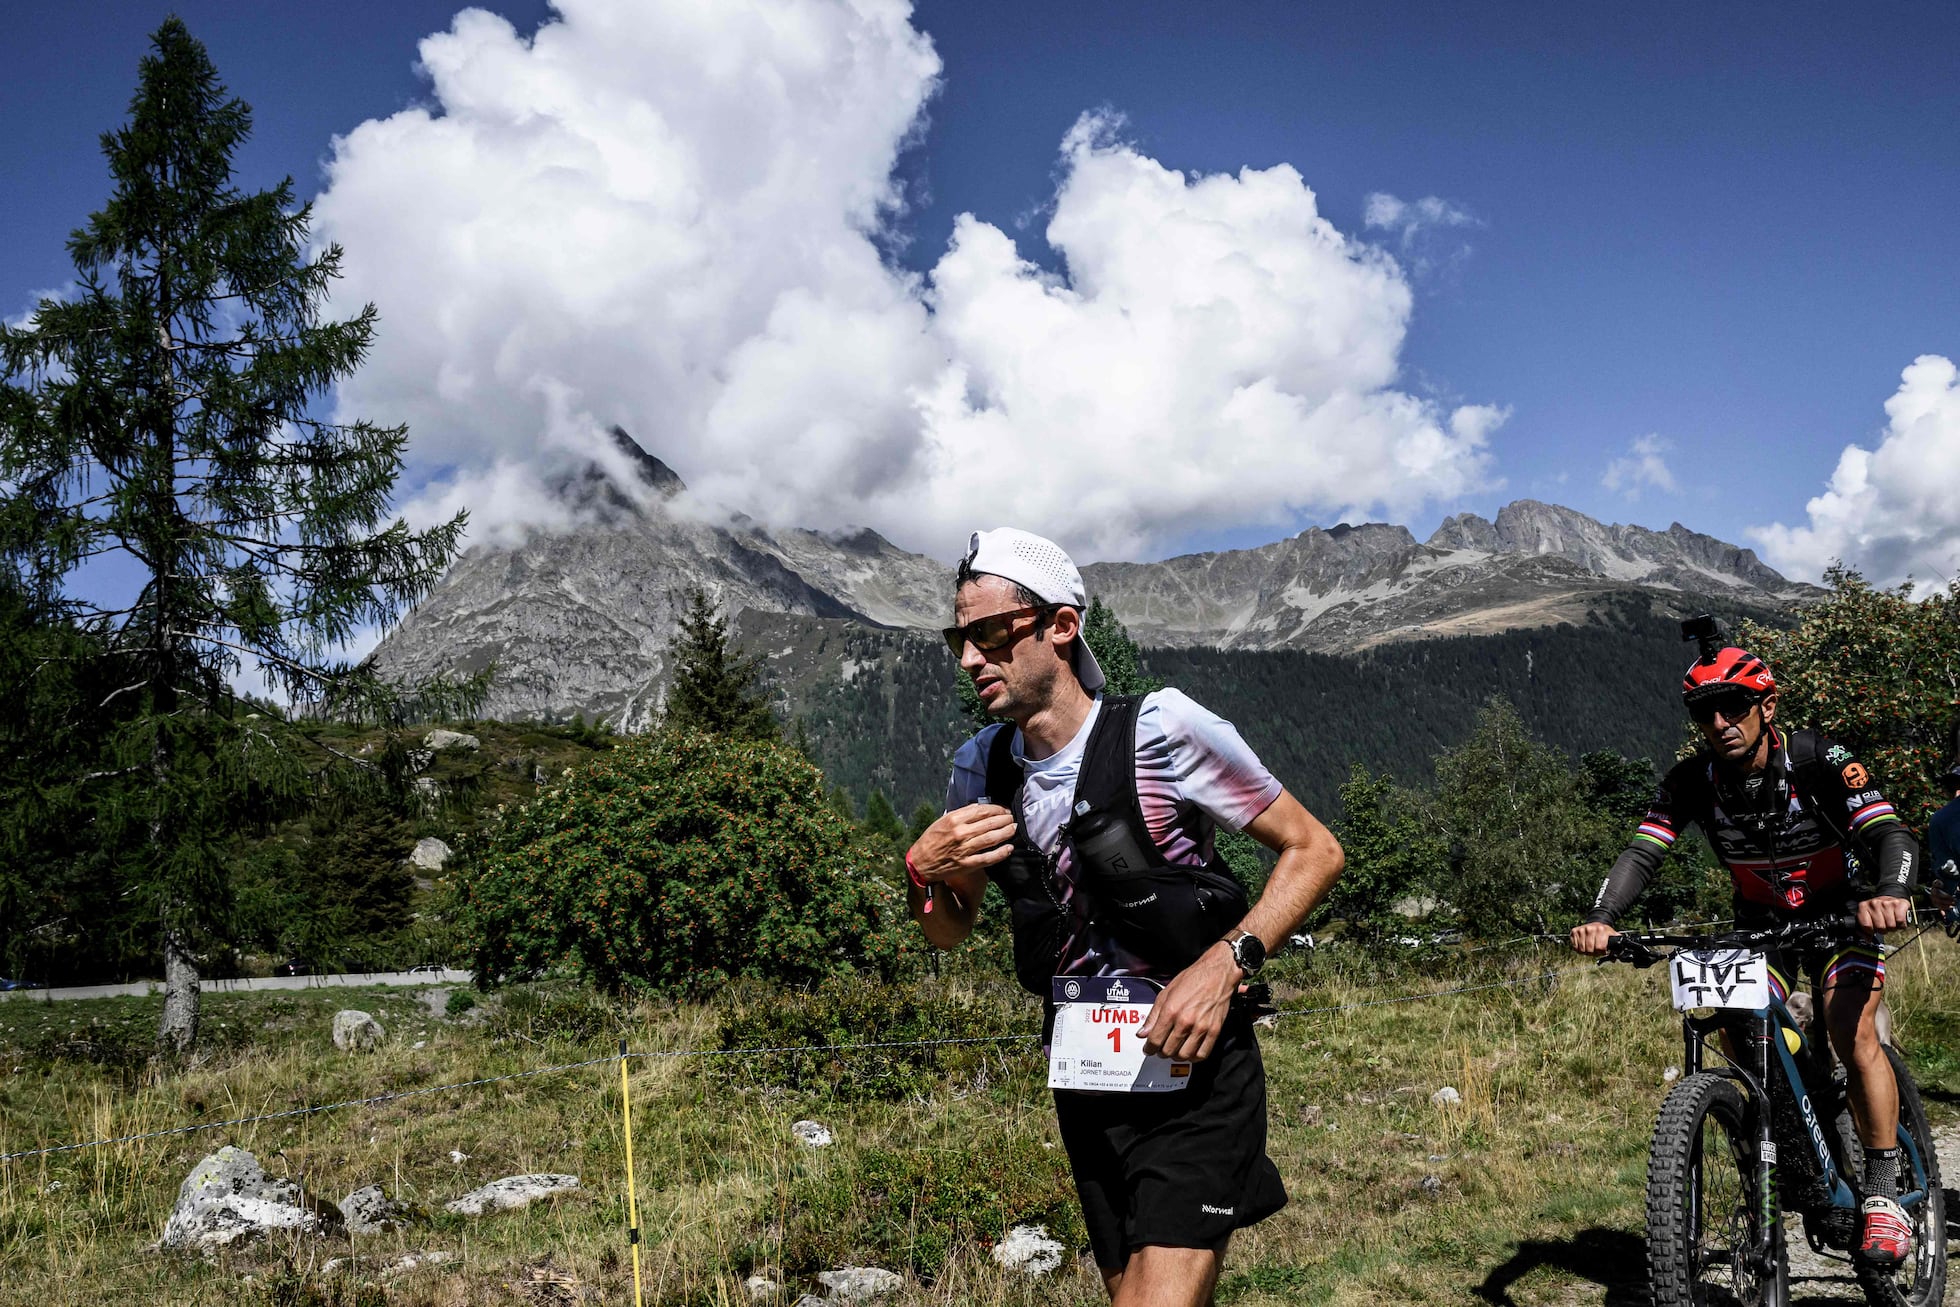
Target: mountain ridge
{"points": [[577, 620]]}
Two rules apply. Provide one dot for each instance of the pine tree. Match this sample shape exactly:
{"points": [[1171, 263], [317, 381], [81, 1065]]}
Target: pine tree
{"points": [[1116, 653], [715, 689], [163, 416], [881, 820]]}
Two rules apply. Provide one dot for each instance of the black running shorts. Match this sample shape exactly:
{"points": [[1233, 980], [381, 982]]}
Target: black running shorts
{"points": [[1182, 1169]]}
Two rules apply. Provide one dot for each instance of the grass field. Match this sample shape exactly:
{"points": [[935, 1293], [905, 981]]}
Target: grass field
{"points": [[1526, 1191]]}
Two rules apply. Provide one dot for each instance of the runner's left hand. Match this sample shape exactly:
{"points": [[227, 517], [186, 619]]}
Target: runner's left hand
{"points": [[1184, 1022], [1884, 913]]}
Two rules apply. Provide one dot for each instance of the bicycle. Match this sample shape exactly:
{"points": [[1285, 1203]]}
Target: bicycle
{"points": [[1721, 1166]]}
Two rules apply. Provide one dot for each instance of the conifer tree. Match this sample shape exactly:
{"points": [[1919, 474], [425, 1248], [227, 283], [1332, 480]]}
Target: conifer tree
{"points": [[163, 415], [715, 689]]}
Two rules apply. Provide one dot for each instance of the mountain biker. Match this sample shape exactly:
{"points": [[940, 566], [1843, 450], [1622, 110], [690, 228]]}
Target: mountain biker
{"points": [[1792, 816], [1943, 846], [1164, 1178]]}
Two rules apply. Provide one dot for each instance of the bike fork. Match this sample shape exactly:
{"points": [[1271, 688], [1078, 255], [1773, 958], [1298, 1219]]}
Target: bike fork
{"points": [[1767, 1213]]}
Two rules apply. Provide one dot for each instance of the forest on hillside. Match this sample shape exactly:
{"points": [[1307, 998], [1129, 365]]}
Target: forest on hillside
{"points": [[1610, 684]]}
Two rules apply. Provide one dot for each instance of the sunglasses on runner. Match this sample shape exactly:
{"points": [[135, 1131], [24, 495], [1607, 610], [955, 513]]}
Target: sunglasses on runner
{"points": [[1733, 706], [993, 633]]}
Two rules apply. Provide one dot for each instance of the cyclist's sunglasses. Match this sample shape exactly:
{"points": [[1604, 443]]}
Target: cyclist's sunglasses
{"points": [[993, 633], [1734, 706]]}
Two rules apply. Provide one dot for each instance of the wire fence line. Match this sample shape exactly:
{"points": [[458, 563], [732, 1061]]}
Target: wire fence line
{"points": [[1545, 978], [668, 1054]]}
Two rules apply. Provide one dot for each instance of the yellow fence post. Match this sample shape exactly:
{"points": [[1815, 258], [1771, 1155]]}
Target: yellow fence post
{"points": [[632, 1194]]}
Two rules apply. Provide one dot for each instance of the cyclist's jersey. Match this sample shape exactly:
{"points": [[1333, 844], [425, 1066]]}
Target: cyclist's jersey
{"points": [[1790, 835]]}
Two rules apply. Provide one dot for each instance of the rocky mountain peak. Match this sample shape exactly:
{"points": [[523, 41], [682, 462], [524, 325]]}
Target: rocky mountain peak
{"points": [[595, 491]]}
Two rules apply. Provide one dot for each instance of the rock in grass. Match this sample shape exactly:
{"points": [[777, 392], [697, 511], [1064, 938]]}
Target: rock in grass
{"points": [[228, 1198], [440, 740], [511, 1192], [761, 1288], [371, 1211], [429, 854], [1446, 1096], [809, 1132], [860, 1283], [409, 1261], [1028, 1248], [356, 1032]]}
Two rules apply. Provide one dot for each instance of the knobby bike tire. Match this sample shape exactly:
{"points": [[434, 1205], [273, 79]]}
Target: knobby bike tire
{"points": [[1928, 1281], [1674, 1167]]}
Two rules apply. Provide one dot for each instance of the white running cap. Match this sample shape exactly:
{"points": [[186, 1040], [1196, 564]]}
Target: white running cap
{"points": [[1045, 568]]}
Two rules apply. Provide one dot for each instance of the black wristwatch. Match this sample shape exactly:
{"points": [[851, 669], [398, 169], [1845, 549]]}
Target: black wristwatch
{"points": [[1248, 950]]}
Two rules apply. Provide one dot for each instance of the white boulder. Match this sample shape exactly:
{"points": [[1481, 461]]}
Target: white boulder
{"points": [[429, 854], [761, 1288], [860, 1283], [812, 1134], [1028, 1248], [228, 1198], [440, 740], [511, 1193], [1446, 1096], [356, 1032]]}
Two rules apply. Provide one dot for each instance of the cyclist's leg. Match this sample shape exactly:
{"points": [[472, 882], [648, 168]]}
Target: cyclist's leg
{"points": [[1854, 987]]}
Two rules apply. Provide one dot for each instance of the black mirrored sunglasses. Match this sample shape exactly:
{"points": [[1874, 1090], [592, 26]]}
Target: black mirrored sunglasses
{"points": [[992, 633], [1733, 707]]}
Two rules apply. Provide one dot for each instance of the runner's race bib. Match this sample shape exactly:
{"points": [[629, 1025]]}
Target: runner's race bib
{"points": [[1719, 977], [1095, 1043]]}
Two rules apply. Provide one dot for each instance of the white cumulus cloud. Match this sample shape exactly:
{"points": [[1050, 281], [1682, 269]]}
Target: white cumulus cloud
{"points": [[1893, 511], [1642, 467], [673, 216]]}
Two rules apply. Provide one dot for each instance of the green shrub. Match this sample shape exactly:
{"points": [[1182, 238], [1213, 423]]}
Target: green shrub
{"points": [[459, 1002], [678, 861], [851, 1011], [910, 1208]]}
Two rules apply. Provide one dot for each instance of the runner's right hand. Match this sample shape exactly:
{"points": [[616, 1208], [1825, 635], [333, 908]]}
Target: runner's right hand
{"points": [[964, 841], [1592, 938]]}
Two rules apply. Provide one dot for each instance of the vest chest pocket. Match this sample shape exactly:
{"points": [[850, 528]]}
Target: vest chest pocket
{"points": [[1158, 910]]}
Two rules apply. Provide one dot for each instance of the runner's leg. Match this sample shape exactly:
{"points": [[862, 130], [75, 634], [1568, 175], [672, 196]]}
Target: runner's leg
{"points": [[1162, 1276]]}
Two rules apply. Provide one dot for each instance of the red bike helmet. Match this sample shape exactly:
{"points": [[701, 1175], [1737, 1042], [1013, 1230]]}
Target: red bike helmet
{"points": [[1727, 669]]}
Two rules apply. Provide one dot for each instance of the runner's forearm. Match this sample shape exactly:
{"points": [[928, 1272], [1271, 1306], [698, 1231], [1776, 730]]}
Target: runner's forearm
{"points": [[1310, 860], [955, 909]]}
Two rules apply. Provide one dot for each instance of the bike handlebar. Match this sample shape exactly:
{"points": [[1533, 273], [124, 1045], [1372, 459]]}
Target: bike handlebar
{"points": [[1637, 946]]}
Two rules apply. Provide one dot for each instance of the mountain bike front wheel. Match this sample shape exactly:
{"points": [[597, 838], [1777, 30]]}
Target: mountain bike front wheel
{"points": [[1921, 1282], [1702, 1225]]}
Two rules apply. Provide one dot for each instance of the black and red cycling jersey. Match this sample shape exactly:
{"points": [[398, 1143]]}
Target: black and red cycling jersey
{"points": [[1791, 835]]}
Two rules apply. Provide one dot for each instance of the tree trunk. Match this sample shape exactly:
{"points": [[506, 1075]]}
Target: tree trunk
{"points": [[178, 1031]]}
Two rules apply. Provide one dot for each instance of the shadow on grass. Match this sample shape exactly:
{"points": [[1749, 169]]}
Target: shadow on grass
{"points": [[1613, 1259]]}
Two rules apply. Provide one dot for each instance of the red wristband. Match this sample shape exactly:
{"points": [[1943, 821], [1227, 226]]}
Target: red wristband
{"points": [[913, 872]]}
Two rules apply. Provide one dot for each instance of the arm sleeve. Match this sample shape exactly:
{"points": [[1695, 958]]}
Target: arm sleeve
{"points": [[1896, 859], [1210, 764], [1643, 857], [1888, 850]]}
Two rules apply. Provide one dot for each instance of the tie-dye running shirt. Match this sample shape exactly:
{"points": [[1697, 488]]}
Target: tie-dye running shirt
{"points": [[1194, 772]]}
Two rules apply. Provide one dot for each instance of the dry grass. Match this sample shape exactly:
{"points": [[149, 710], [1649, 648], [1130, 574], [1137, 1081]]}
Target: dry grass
{"points": [[1528, 1190]]}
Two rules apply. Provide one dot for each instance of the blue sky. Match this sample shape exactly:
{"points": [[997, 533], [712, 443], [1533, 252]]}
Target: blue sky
{"points": [[1726, 228]]}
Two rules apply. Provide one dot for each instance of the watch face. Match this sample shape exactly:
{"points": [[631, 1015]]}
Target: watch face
{"points": [[1250, 951]]}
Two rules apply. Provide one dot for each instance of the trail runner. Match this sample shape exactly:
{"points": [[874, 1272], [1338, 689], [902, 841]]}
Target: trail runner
{"points": [[1101, 841], [1792, 816]]}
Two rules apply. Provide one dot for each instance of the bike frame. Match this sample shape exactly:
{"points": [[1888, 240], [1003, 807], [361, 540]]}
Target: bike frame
{"points": [[1759, 1032]]}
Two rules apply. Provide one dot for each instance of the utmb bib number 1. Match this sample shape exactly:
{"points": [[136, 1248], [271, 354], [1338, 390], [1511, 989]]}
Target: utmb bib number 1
{"points": [[1095, 1044]]}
